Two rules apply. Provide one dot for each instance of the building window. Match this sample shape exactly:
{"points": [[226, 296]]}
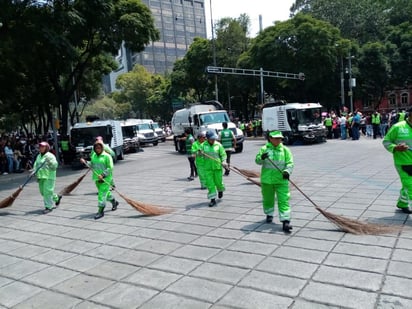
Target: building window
{"points": [[392, 99], [405, 99]]}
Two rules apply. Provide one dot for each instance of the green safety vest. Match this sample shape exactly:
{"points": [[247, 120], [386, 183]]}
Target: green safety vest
{"points": [[376, 119], [65, 145], [189, 142], [328, 122], [401, 116], [226, 138], [400, 132]]}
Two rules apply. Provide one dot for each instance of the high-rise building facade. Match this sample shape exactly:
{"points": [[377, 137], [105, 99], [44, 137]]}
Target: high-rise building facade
{"points": [[179, 22]]}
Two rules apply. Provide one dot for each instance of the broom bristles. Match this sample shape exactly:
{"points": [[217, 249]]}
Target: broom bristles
{"points": [[147, 209], [8, 201], [254, 181], [357, 227], [248, 173], [67, 190]]}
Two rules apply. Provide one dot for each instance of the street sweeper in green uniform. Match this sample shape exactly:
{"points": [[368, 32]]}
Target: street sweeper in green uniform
{"points": [[398, 141], [277, 164]]}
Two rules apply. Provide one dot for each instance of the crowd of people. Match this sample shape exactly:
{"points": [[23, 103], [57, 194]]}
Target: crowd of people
{"points": [[353, 125]]}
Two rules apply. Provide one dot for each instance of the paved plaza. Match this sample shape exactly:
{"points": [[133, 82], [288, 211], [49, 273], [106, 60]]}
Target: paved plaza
{"points": [[201, 257]]}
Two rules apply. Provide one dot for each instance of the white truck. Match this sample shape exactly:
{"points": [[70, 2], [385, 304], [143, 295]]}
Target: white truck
{"points": [[83, 136], [143, 131], [201, 117], [161, 135], [296, 121]]}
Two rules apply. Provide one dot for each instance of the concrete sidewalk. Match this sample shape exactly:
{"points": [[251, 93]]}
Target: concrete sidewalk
{"points": [[220, 257]]}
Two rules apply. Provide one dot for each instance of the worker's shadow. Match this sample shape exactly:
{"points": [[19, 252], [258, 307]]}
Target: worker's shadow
{"points": [[34, 212], [261, 226], [197, 205]]}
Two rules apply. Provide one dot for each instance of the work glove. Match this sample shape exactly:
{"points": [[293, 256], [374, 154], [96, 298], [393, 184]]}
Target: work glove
{"points": [[264, 156], [225, 166], [285, 175]]}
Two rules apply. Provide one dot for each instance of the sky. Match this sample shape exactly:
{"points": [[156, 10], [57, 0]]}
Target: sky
{"points": [[270, 10]]}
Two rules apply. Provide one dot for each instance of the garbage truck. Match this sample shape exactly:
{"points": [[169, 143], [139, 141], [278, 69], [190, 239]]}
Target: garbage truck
{"points": [[201, 117], [83, 136], [296, 121]]}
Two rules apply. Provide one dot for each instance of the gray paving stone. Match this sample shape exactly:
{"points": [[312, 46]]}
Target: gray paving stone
{"points": [[28, 251], [363, 250], [227, 233], [248, 298], [49, 300], [112, 270], [239, 259], [151, 278], [81, 263], [288, 267], [401, 269], [170, 301], [159, 246], [339, 296], [106, 252], [397, 286], [306, 255], [266, 282], [16, 292], [21, 269], [176, 265], [376, 240], [89, 305], [138, 258], [195, 252], [217, 272], [271, 238], [310, 243], [6, 260], [83, 286], [402, 255], [393, 302], [356, 262], [127, 241], [213, 242], [252, 247], [10, 245], [349, 278], [202, 289], [122, 295], [303, 304], [53, 256], [4, 281], [79, 246], [50, 276]]}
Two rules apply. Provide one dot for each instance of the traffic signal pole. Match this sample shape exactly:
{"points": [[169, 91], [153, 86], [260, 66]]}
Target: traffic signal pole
{"points": [[249, 72]]}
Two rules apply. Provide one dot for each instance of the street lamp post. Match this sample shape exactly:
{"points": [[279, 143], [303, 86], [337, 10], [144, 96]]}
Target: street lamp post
{"points": [[342, 84], [214, 51], [350, 81]]}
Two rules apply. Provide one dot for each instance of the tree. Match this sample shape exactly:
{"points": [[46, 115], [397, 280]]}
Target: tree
{"points": [[67, 38], [301, 44]]}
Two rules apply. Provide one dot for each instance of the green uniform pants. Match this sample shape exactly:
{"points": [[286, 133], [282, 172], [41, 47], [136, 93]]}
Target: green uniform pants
{"points": [[201, 174], [269, 194], [214, 180], [103, 195], [405, 196], [46, 187]]}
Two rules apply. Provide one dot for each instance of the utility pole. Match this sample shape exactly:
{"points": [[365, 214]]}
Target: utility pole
{"points": [[351, 82], [214, 51], [342, 84]]}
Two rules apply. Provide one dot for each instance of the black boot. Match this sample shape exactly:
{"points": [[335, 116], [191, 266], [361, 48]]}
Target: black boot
{"points": [[287, 227], [220, 194], [212, 202], [59, 198], [114, 205], [100, 214], [269, 219]]}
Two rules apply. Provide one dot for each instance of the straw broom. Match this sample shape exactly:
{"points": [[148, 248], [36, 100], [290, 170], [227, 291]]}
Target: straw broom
{"points": [[144, 208], [8, 201], [247, 173], [67, 190], [346, 224], [234, 169]]}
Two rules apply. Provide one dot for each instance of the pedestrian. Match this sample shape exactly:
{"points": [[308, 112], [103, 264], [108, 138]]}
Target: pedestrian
{"points": [[101, 164], [214, 159], [376, 123], [9, 151], [398, 141], [189, 140], [228, 141], [108, 150], [199, 160], [327, 122], [355, 123], [45, 166], [275, 179], [343, 130]]}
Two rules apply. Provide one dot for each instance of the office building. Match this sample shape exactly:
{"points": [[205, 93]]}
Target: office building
{"points": [[179, 22]]}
